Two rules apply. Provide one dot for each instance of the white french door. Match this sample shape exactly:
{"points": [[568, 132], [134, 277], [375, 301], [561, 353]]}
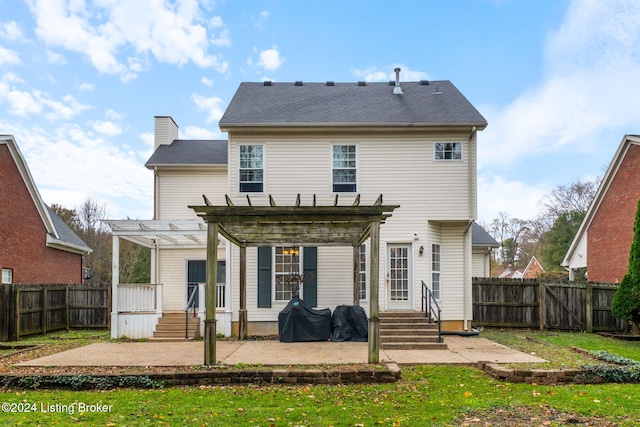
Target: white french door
{"points": [[399, 277]]}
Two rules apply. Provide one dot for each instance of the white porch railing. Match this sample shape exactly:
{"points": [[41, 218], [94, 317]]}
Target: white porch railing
{"points": [[140, 298]]}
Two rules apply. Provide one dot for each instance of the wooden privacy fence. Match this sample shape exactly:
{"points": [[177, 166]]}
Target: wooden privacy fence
{"points": [[529, 303], [39, 309]]}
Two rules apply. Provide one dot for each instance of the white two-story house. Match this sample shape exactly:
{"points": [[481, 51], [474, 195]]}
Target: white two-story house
{"points": [[329, 144]]}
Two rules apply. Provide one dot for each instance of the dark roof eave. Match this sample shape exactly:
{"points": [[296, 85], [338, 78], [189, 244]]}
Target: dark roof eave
{"points": [[225, 126], [187, 165]]}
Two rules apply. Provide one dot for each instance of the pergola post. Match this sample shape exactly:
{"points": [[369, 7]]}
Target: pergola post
{"points": [[356, 275], [210, 301], [243, 332], [374, 275], [115, 278]]}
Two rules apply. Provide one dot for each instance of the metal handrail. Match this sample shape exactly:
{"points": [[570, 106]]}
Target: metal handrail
{"points": [[191, 304], [428, 302]]}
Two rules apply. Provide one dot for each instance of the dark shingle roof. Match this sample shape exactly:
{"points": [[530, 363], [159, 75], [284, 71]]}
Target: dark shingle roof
{"points": [[479, 237], [66, 234], [190, 152], [350, 104]]}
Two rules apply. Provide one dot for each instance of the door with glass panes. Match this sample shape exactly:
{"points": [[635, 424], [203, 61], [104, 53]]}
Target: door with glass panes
{"points": [[399, 273]]}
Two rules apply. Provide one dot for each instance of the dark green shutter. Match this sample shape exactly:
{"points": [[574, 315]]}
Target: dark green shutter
{"points": [[264, 277], [310, 271]]}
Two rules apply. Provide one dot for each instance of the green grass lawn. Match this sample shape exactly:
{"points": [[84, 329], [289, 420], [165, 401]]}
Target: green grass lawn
{"points": [[426, 396]]}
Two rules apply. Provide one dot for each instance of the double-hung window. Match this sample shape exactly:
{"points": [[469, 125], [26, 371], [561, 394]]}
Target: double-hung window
{"points": [[251, 168], [448, 150], [7, 276], [344, 169], [435, 270], [287, 266]]}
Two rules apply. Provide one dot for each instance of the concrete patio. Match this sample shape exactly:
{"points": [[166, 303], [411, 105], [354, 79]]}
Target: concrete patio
{"points": [[461, 351]]}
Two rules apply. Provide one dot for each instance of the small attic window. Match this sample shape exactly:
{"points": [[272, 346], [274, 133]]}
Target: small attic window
{"points": [[267, 83], [362, 83], [298, 83]]}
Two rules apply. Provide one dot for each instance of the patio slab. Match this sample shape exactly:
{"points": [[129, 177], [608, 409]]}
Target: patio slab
{"points": [[462, 351]]}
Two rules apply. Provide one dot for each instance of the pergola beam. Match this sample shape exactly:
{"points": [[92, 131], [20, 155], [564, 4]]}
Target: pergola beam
{"points": [[303, 225]]}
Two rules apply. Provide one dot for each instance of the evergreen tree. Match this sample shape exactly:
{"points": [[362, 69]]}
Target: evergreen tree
{"points": [[626, 301]]}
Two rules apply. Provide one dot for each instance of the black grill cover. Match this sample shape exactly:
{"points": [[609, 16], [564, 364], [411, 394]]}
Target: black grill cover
{"points": [[350, 324], [299, 322]]}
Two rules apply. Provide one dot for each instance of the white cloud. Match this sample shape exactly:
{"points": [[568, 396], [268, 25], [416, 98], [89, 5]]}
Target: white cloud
{"points": [[498, 194], [69, 165], [170, 33], [591, 85], [55, 58], [10, 31], [25, 103], [375, 74], [270, 59], [214, 106], [86, 87], [9, 57], [207, 82], [195, 132], [106, 127], [114, 115]]}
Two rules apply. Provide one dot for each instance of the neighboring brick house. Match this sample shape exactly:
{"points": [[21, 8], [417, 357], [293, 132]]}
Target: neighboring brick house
{"points": [[604, 238], [37, 246]]}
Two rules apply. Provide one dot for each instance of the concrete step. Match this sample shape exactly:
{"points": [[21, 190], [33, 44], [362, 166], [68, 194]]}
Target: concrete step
{"points": [[408, 332], [409, 325], [408, 339], [413, 346]]}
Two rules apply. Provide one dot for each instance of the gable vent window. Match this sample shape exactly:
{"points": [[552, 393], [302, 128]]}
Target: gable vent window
{"points": [[448, 150], [344, 168], [251, 168]]}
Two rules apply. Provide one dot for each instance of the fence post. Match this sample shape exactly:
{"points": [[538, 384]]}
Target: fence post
{"points": [[45, 308], [588, 303], [66, 304], [17, 319], [541, 295]]}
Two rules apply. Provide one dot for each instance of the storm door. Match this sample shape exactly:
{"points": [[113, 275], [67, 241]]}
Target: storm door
{"points": [[399, 275]]}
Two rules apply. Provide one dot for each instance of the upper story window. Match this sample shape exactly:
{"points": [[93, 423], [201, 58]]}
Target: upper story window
{"points": [[448, 150], [344, 168], [7, 276], [251, 168]]}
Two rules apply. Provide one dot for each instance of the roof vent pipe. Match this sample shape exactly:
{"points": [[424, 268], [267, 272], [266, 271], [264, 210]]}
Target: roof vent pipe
{"points": [[397, 90]]}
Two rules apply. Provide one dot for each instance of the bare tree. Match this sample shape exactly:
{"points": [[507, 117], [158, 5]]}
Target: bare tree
{"points": [[510, 233], [575, 197]]}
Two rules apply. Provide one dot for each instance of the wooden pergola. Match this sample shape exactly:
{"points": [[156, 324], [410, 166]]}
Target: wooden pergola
{"points": [[254, 226]]}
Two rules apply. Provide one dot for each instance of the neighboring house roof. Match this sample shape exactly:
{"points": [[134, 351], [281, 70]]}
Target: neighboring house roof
{"points": [[59, 235], [424, 103], [532, 269], [479, 237], [182, 152], [510, 273], [612, 170]]}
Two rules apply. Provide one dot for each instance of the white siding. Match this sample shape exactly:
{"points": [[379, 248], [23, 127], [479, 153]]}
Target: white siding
{"points": [[481, 263], [173, 274], [579, 258], [165, 131], [180, 188]]}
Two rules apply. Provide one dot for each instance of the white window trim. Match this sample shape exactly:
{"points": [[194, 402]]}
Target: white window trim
{"points": [[264, 169], [449, 160], [336, 144], [273, 273], [366, 273]]}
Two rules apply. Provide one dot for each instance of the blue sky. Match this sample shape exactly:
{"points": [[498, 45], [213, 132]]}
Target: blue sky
{"points": [[80, 81]]}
